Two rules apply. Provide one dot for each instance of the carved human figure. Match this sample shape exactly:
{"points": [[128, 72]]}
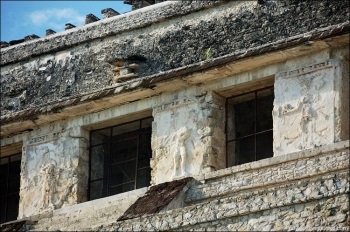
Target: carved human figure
{"points": [[180, 157], [70, 189], [306, 113], [48, 176]]}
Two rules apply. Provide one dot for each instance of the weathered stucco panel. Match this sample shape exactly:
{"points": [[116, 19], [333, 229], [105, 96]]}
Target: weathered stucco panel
{"points": [[53, 172], [187, 135], [307, 106]]}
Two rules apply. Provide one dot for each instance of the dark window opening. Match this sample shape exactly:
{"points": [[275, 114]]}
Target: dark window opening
{"points": [[10, 175], [249, 127], [120, 158]]}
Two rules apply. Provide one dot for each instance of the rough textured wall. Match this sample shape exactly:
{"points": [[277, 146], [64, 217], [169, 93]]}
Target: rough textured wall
{"points": [[187, 135], [344, 111], [290, 194], [53, 172], [77, 66], [306, 190], [308, 103], [311, 100]]}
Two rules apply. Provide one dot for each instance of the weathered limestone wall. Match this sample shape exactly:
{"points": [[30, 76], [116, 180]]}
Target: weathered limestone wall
{"points": [[187, 135], [305, 190], [279, 193], [76, 62], [53, 170], [88, 214], [309, 108], [60, 149]]}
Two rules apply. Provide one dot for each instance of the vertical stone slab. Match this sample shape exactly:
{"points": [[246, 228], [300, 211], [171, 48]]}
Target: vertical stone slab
{"points": [[52, 175], [188, 136], [307, 107], [342, 114]]}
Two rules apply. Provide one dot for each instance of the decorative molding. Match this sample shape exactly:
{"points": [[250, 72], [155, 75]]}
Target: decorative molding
{"points": [[305, 70], [44, 138], [173, 104]]}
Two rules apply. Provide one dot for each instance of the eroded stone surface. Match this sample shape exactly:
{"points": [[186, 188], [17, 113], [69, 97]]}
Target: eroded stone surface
{"points": [[188, 136], [307, 107], [155, 199], [52, 174], [72, 71], [283, 196]]}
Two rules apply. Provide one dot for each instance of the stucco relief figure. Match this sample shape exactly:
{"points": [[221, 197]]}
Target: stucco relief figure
{"points": [[68, 194], [48, 185], [180, 156], [306, 113]]}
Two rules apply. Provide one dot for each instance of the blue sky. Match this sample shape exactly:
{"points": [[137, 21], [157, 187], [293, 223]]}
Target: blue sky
{"points": [[22, 18]]}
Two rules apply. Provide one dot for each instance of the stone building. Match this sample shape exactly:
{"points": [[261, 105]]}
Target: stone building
{"points": [[180, 115]]}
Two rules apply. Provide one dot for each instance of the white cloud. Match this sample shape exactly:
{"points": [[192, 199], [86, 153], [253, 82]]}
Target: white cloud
{"points": [[56, 18]]}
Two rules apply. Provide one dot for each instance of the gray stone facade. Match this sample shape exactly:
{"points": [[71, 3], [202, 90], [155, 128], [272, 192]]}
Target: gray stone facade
{"points": [[178, 62]]}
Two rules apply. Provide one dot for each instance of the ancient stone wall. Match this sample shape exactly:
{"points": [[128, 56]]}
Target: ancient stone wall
{"points": [[187, 132], [53, 172], [305, 184], [308, 103], [70, 63], [188, 135], [305, 190]]}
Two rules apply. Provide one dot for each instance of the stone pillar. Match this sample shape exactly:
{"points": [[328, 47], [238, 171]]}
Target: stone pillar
{"points": [[188, 136], [309, 107], [54, 171]]}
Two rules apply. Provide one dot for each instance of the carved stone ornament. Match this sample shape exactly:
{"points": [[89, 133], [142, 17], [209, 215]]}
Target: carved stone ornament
{"points": [[125, 71]]}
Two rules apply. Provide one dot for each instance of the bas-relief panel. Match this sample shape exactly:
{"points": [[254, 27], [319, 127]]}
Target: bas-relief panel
{"points": [[48, 179], [305, 101], [182, 137]]}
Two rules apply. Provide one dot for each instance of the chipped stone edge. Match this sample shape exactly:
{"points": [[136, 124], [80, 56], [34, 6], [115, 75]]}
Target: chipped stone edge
{"points": [[132, 85], [103, 28], [332, 148]]}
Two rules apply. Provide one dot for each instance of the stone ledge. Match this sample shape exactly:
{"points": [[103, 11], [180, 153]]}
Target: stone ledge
{"points": [[237, 206], [16, 225], [339, 146], [90, 206], [149, 81], [325, 190], [105, 27]]}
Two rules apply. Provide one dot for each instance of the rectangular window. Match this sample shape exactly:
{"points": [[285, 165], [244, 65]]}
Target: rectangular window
{"points": [[120, 158], [10, 175], [249, 127]]}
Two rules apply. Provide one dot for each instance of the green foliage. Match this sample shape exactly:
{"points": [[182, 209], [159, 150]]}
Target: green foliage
{"points": [[208, 53]]}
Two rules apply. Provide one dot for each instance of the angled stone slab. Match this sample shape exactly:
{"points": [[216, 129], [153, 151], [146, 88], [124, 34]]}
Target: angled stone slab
{"points": [[161, 197]]}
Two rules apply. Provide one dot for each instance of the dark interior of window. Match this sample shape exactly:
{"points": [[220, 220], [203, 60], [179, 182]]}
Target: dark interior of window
{"points": [[10, 170], [120, 158], [249, 127]]}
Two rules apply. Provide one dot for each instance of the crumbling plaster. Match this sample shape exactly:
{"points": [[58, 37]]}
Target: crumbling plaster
{"points": [[187, 134], [61, 71], [311, 83], [309, 101]]}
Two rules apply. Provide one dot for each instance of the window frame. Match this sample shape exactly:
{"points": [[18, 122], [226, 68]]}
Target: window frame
{"points": [[128, 135], [10, 178], [255, 133]]}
